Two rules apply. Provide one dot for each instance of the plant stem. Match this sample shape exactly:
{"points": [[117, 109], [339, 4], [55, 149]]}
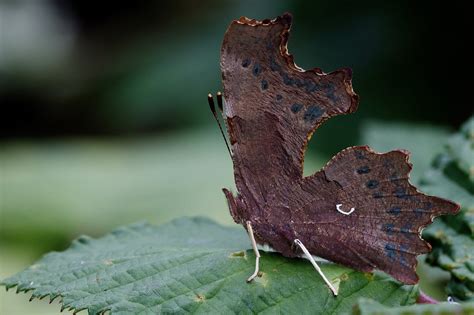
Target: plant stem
{"points": [[423, 298]]}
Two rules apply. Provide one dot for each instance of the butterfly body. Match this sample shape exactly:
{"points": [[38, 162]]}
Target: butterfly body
{"points": [[360, 210]]}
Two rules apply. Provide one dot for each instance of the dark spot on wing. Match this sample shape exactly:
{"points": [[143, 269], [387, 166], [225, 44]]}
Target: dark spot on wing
{"points": [[388, 228], [264, 84], [246, 63], [296, 107], [400, 192], [256, 69], [403, 251], [279, 97], [312, 113], [363, 170], [371, 184], [287, 79], [308, 84], [395, 210], [390, 251]]}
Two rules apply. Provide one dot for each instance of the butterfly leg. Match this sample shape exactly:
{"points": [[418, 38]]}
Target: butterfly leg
{"points": [[315, 265], [255, 249]]}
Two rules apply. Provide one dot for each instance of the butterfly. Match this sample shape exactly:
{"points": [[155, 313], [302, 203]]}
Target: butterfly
{"points": [[359, 210]]}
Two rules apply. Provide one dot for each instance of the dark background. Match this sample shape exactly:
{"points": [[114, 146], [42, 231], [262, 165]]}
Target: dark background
{"points": [[105, 119], [135, 67]]}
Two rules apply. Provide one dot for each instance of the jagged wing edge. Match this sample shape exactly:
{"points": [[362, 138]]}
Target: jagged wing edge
{"points": [[406, 154], [286, 20]]}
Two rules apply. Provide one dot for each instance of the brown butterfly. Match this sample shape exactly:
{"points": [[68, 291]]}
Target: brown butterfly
{"points": [[360, 210]]}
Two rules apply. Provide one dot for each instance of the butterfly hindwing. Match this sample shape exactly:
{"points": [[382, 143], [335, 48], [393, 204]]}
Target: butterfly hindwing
{"points": [[384, 230]]}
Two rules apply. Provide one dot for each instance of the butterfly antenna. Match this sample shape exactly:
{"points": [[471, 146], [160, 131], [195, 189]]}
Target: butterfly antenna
{"points": [[219, 101], [210, 100]]}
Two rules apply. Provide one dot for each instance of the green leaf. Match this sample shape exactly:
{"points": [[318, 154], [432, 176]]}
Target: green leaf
{"points": [[370, 307], [453, 251], [194, 265], [452, 237], [461, 148]]}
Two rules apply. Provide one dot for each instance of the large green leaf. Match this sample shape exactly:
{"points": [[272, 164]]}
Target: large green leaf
{"points": [[370, 307], [197, 266], [453, 237]]}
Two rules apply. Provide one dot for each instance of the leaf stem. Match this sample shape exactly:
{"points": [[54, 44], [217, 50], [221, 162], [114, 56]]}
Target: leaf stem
{"points": [[423, 298]]}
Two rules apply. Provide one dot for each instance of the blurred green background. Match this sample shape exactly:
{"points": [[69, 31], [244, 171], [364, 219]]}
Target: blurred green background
{"points": [[105, 120]]}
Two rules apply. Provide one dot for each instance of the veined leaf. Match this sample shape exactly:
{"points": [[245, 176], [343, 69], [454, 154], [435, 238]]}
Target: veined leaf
{"points": [[451, 176], [370, 307], [453, 251], [197, 266]]}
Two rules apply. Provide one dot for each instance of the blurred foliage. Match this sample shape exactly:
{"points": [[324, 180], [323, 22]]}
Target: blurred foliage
{"points": [[370, 307], [453, 237], [194, 266], [131, 67], [90, 186]]}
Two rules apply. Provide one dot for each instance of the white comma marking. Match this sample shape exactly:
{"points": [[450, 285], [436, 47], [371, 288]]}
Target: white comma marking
{"points": [[338, 208]]}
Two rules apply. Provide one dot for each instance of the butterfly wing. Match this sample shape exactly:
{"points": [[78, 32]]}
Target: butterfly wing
{"points": [[384, 230], [273, 107]]}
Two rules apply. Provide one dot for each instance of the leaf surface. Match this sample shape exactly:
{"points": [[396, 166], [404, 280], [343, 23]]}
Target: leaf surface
{"points": [[370, 307], [197, 266], [452, 237]]}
